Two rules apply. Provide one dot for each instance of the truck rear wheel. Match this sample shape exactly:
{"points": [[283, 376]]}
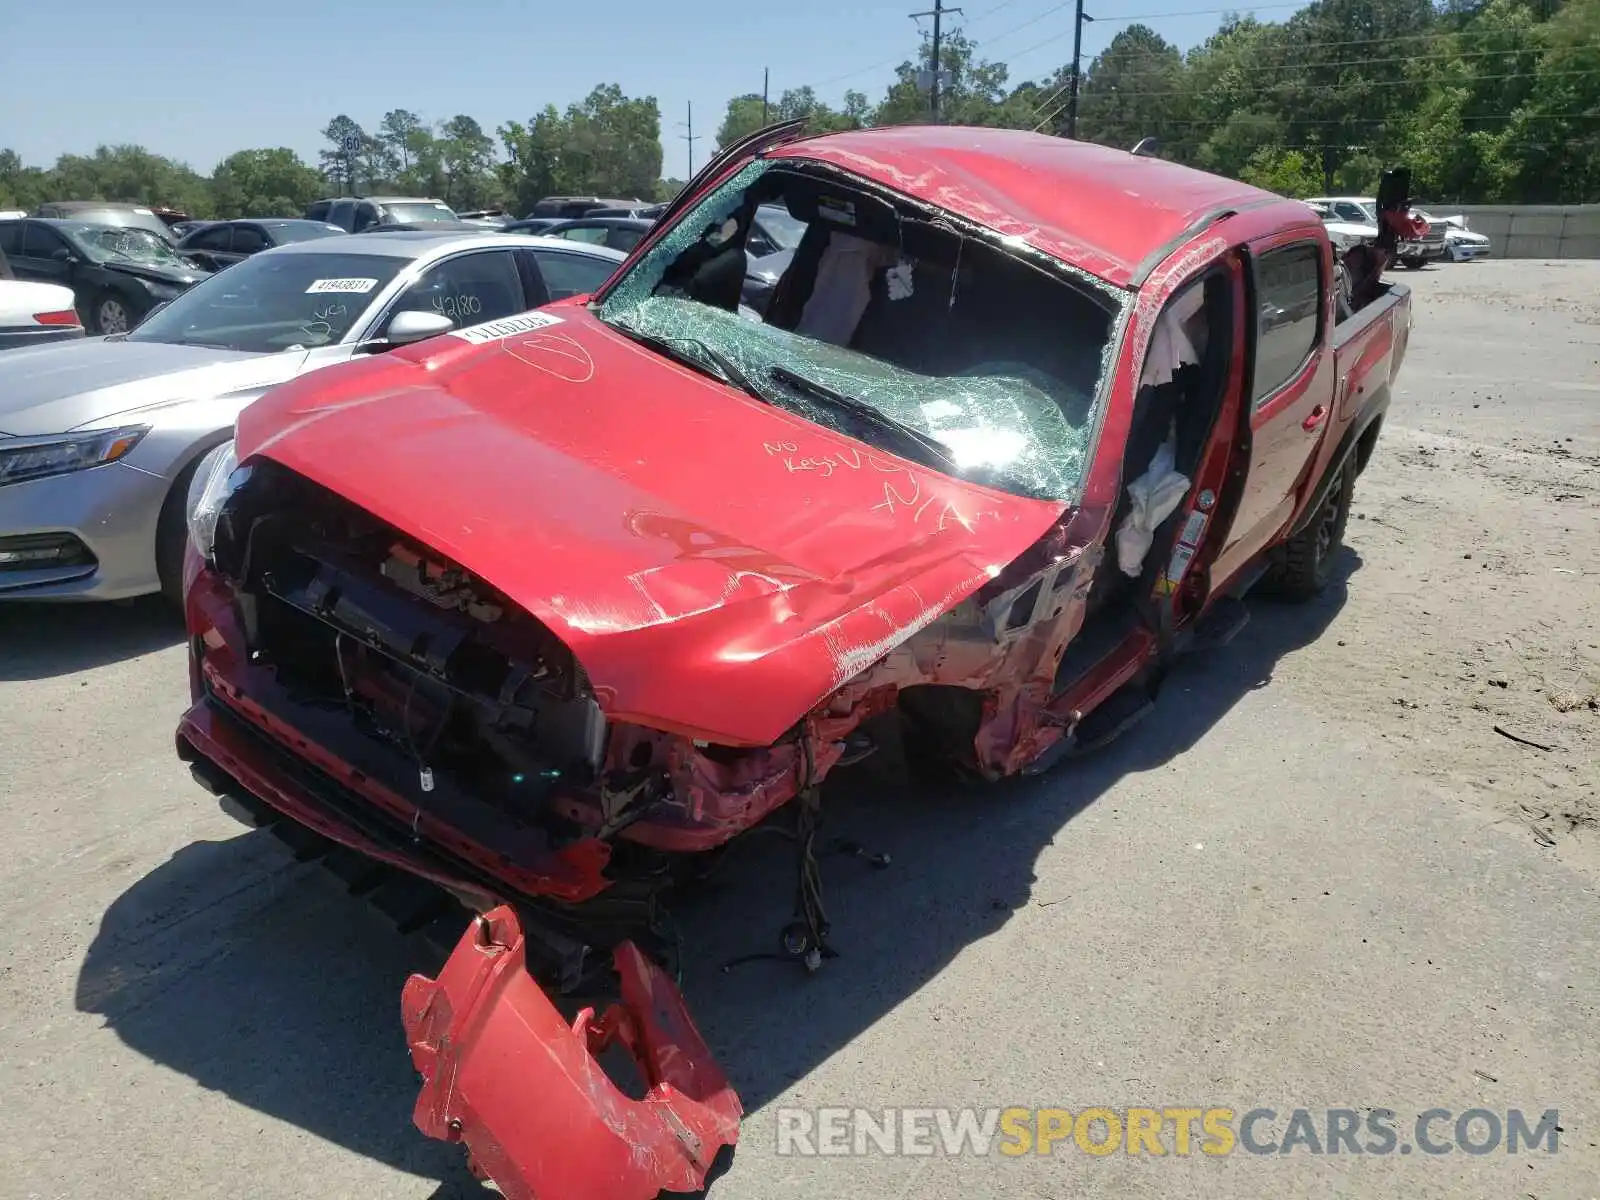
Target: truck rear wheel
{"points": [[1308, 556]]}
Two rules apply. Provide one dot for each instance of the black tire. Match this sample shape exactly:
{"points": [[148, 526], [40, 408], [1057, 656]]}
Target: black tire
{"points": [[102, 314], [1413, 263], [1308, 556], [172, 532]]}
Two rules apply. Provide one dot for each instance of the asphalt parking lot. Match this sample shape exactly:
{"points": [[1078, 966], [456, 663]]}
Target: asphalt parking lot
{"points": [[1317, 877]]}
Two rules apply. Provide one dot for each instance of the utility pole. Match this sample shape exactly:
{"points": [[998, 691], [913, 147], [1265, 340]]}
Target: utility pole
{"points": [[690, 138], [938, 10], [1077, 52], [766, 81]]}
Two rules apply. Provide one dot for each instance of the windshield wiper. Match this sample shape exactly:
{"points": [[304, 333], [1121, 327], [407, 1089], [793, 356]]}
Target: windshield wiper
{"points": [[866, 412], [714, 362]]}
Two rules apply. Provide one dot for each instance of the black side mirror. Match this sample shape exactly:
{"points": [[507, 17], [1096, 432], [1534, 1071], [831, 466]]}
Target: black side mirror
{"points": [[64, 255]]}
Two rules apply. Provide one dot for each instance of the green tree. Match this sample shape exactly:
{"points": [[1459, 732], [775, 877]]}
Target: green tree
{"points": [[974, 90], [341, 161], [1287, 172], [742, 118], [1347, 75], [129, 173], [466, 155], [613, 144], [20, 186], [1551, 143], [399, 133], [532, 168], [264, 183], [1133, 90]]}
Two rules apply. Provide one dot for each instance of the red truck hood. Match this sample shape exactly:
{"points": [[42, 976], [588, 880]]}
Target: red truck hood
{"points": [[716, 564]]}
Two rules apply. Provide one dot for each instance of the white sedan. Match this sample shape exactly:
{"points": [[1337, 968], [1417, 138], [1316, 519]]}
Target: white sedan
{"points": [[1343, 234], [32, 314], [1460, 243]]}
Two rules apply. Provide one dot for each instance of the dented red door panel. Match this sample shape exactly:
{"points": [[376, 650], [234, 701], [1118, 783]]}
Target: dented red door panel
{"points": [[716, 564], [522, 1089], [1289, 416]]}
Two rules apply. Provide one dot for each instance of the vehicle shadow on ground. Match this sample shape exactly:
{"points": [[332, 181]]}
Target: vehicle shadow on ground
{"points": [[294, 1010], [41, 641]]}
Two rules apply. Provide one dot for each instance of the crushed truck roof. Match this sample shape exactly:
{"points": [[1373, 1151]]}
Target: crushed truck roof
{"points": [[1101, 210]]}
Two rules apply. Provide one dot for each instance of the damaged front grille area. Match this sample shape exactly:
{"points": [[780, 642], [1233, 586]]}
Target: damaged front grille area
{"points": [[453, 679]]}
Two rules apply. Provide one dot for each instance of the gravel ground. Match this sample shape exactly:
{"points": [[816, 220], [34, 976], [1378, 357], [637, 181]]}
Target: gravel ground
{"points": [[1317, 876]]}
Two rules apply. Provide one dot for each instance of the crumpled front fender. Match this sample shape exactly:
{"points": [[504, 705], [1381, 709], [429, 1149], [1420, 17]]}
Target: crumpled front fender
{"points": [[504, 1074]]}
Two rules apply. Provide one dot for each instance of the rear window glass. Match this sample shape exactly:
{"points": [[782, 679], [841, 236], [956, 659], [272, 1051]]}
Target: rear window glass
{"points": [[1288, 313]]}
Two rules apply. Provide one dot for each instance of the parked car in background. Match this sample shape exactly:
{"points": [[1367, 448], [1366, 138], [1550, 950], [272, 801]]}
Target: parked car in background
{"points": [[761, 275], [774, 236], [172, 217], [105, 212], [1461, 244], [533, 225], [223, 243], [183, 229], [431, 227], [571, 207], [1343, 234], [490, 218], [620, 233], [33, 314], [355, 213], [116, 273], [102, 435], [648, 211], [774, 231], [1363, 210]]}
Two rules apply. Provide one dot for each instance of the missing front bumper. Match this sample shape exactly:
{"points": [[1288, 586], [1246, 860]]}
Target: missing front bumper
{"points": [[505, 1075]]}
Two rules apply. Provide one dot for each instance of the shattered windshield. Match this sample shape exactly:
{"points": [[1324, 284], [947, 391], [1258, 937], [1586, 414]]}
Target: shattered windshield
{"points": [[124, 243], [889, 325]]}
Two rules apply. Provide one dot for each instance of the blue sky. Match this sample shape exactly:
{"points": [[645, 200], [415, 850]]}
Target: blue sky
{"points": [[197, 85]]}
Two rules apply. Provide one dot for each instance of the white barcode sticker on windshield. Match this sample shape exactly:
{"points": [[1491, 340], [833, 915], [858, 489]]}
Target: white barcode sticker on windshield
{"points": [[491, 331], [359, 286]]}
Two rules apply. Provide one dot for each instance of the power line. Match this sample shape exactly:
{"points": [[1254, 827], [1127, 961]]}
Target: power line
{"points": [[989, 12], [1386, 60], [1388, 39], [1204, 12], [1377, 83], [1396, 120], [1000, 37]]}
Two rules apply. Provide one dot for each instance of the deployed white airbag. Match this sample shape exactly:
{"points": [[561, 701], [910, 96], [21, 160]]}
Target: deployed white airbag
{"points": [[842, 288]]}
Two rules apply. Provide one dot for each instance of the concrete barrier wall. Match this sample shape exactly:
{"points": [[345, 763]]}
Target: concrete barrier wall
{"points": [[1533, 230]]}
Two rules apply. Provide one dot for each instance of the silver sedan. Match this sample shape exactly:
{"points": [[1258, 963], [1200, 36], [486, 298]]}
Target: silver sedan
{"points": [[102, 436]]}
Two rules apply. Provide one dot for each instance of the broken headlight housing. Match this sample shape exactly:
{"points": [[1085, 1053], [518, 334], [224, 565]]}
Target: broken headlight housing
{"points": [[218, 477]]}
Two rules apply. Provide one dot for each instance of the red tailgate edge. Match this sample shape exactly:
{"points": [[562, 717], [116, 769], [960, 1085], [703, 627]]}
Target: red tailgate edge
{"points": [[506, 1075]]}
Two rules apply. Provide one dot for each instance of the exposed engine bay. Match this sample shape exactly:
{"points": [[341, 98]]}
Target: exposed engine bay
{"points": [[436, 666], [448, 695]]}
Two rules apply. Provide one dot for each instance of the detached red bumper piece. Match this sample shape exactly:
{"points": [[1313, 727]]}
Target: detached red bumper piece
{"points": [[505, 1074]]}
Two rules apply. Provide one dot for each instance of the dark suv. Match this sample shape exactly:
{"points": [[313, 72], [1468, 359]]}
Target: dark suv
{"points": [[106, 212], [571, 207], [356, 213]]}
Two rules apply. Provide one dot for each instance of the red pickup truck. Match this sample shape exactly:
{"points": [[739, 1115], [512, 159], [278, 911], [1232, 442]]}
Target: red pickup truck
{"points": [[547, 611]]}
